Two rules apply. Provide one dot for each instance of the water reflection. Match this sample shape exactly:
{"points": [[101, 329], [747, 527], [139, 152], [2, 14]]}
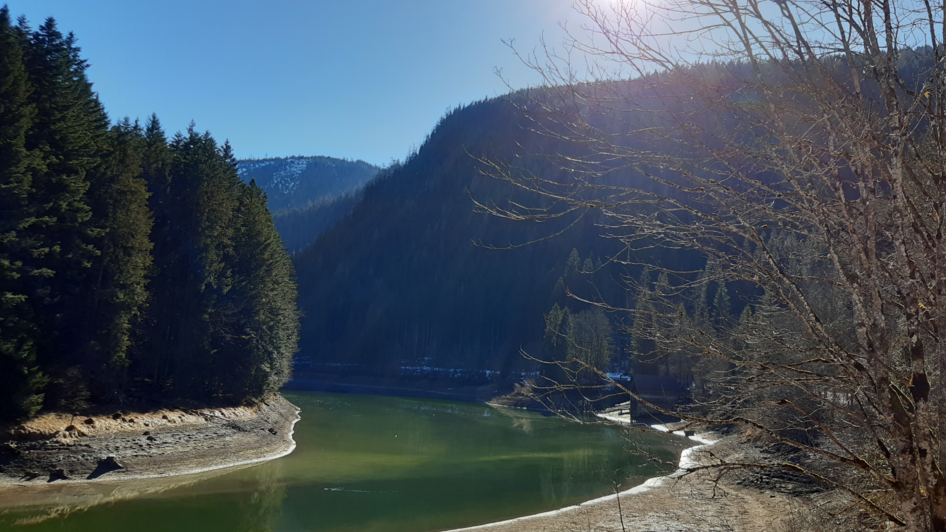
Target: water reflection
{"points": [[20, 506], [375, 464], [521, 419], [262, 511]]}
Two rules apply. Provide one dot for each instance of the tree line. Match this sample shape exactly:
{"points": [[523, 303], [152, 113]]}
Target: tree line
{"points": [[133, 267]]}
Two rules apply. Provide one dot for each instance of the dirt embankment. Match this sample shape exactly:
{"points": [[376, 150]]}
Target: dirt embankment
{"points": [[64, 449]]}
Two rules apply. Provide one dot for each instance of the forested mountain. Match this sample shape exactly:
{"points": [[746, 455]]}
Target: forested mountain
{"points": [[402, 281], [307, 194], [132, 267], [409, 279], [300, 182], [301, 227]]}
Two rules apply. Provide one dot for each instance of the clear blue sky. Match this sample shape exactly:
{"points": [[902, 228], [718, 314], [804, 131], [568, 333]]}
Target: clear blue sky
{"points": [[354, 79]]}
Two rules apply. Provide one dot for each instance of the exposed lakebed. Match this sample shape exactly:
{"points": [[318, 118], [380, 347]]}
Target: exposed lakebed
{"points": [[386, 464]]}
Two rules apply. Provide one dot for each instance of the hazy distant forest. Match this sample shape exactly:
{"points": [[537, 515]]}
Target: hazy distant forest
{"points": [[134, 268]]}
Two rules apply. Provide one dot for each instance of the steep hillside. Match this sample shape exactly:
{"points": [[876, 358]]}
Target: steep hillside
{"points": [[301, 227], [401, 283]]}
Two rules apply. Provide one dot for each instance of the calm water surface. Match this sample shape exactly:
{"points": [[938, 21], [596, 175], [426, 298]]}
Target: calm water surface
{"points": [[384, 464]]}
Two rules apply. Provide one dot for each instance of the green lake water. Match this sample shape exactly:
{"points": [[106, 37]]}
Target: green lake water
{"points": [[386, 464]]}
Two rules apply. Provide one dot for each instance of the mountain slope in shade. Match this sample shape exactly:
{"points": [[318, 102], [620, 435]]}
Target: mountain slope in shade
{"points": [[300, 227], [400, 283]]}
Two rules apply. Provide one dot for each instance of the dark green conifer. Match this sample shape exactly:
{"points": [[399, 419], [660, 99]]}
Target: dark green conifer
{"points": [[200, 204], [21, 381], [68, 134], [158, 327], [573, 265], [555, 343], [642, 331], [263, 325], [722, 303], [119, 201]]}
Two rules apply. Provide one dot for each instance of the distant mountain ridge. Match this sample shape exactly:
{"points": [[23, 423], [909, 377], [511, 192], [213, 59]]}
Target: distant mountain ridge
{"points": [[307, 195], [298, 182]]}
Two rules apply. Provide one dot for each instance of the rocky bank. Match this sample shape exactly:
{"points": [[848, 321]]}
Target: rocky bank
{"points": [[64, 449]]}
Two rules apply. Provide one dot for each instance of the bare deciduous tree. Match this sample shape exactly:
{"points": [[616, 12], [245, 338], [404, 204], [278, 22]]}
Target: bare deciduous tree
{"points": [[799, 146]]}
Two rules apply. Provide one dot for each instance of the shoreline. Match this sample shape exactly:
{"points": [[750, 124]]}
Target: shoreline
{"points": [[178, 445], [647, 485], [679, 501]]}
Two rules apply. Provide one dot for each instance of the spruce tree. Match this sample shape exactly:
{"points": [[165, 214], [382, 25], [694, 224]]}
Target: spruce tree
{"points": [[590, 339], [572, 266], [264, 319], [201, 201], [119, 201], [722, 305], [158, 326], [642, 331], [68, 133], [555, 344], [21, 381]]}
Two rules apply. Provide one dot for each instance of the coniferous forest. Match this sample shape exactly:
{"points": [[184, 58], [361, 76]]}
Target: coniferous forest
{"points": [[133, 267]]}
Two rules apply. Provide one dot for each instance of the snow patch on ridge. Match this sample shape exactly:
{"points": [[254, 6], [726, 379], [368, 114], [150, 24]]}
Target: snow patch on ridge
{"points": [[243, 167], [285, 178]]}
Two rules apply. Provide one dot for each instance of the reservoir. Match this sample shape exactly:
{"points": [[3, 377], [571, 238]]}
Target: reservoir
{"points": [[388, 464]]}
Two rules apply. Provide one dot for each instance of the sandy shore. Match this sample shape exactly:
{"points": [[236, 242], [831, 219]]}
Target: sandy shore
{"points": [[680, 502], [57, 455]]}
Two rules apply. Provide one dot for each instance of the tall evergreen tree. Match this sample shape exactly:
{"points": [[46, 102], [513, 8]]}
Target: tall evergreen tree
{"points": [[591, 338], [153, 363], [195, 197], [261, 304], [555, 343], [21, 381], [722, 304], [68, 135], [119, 201], [642, 330]]}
